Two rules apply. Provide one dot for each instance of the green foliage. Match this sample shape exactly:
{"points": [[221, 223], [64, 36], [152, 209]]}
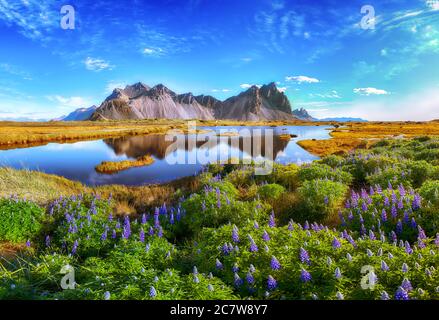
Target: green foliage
{"points": [[430, 192], [270, 191], [320, 200], [19, 220], [323, 171]]}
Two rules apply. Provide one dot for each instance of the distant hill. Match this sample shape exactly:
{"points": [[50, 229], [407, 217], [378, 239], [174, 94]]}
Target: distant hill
{"points": [[140, 101], [302, 114], [343, 119], [80, 114], [22, 119]]}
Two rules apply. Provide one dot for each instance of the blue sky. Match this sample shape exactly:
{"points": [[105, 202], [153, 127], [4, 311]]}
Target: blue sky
{"points": [[318, 52]]}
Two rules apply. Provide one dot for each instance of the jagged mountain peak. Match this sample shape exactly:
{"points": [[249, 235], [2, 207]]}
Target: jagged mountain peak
{"points": [[139, 101]]}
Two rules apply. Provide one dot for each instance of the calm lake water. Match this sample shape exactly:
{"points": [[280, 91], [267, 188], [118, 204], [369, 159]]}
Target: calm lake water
{"points": [[77, 161]]}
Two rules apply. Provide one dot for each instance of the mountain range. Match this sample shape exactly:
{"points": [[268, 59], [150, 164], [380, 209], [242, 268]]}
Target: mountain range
{"points": [[139, 101]]}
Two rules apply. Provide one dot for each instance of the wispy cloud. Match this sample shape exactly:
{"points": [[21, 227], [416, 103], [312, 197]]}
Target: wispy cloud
{"points": [[94, 64], [70, 102], [301, 79], [248, 86], [370, 91], [34, 19], [111, 85], [15, 71]]}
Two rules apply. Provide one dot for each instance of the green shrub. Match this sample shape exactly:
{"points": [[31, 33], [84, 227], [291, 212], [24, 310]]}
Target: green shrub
{"points": [[320, 200], [270, 191], [323, 171], [19, 220], [429, 191]]}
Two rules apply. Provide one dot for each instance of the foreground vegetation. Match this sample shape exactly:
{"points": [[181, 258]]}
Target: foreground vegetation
{"points": [[359, 226]]}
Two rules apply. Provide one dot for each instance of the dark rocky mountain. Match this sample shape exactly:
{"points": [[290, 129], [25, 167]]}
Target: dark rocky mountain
{"points": [[302, 114], [142, 102], [80, 114]]}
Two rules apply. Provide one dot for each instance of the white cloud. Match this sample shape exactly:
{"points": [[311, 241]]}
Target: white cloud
{"points": [[70, 102], [97, 64], [282, 89], [114, 85], [153, 51], [432, 4], [370, 91], [247, 59], [248, 86], [302, 79]]}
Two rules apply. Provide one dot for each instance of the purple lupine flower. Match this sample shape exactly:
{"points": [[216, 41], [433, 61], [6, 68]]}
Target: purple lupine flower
{"points": [[218, 265], [305, 276], [160, 232], [171, 218], [399, 227], [275, 264], [384, 266], [272, 222], [436, 241], [326, 200], [408, 248], [28, 243], [252, 268], [271, 283], [75, 247], [413, 223], [265, 236], [401, 294], [336, 243], [256, 225], [225, 249], [416, 204], [142, 235], [253, 246], [421, 243], [152, 292], [406, 285], [337, 273], [290, 226], [235, 268], [372, 235], [384, 215], [250, 278], [304, 256], [394, 212], [47, 241], [306, 225], [405, 268], [385, 296], [235, 234], [386, 202], [237, 280], [104, 235], [218, 203], [151, 231], [107, 295], [364, 206]]}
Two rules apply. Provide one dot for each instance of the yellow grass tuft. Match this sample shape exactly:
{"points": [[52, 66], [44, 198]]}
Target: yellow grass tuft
{"points": [[111, 167]]}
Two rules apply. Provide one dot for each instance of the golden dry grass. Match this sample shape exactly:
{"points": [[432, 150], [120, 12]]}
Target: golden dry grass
{"points": [[25, 134], [361, 135], [111, 167]]}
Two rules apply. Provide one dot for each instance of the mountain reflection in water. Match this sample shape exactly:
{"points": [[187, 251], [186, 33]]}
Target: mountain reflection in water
{"points": [[77, 161]]}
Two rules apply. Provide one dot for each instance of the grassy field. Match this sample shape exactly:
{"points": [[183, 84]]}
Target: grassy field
{"points": [[350, 136], [19, 134]]}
